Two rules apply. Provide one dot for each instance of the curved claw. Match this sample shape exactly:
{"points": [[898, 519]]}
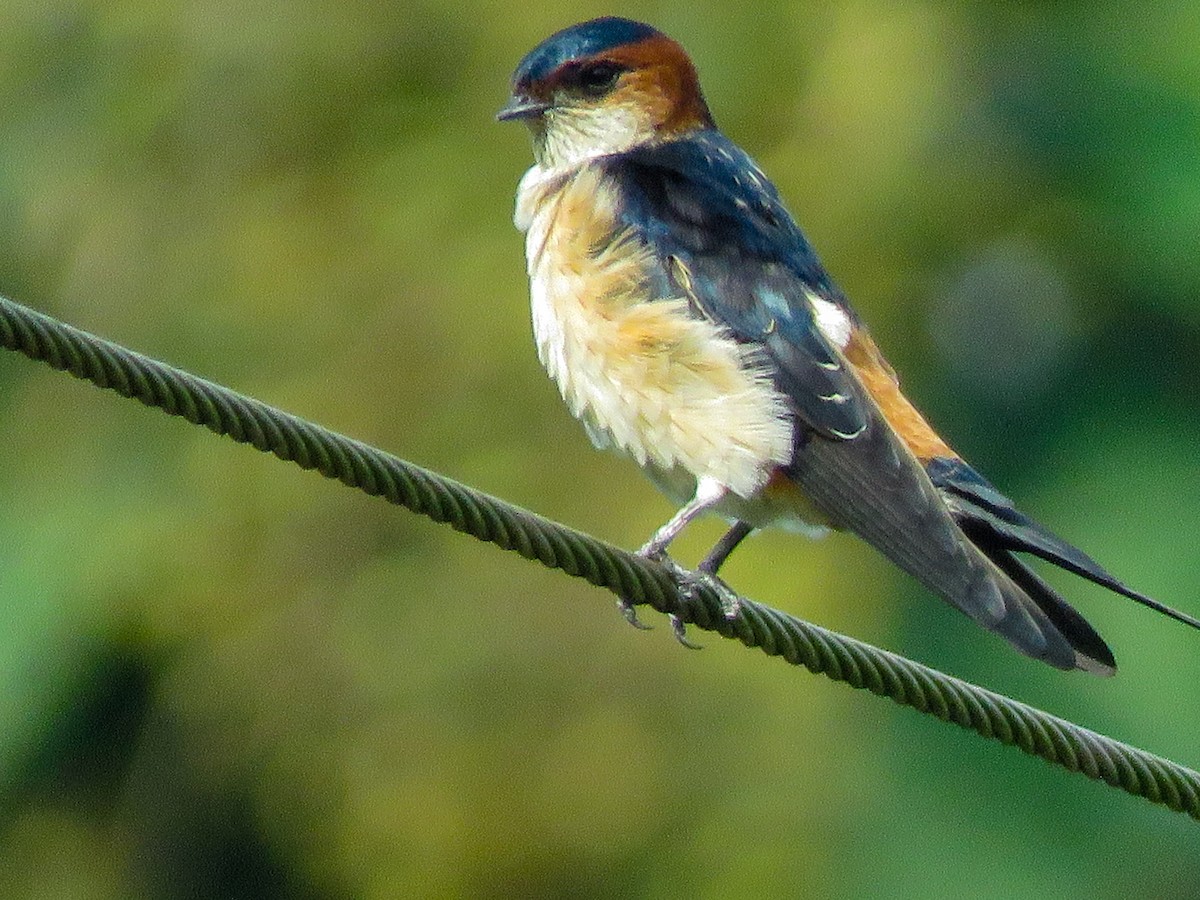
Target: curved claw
{"points": [[689, 583], [629, 611], [679, 629]]}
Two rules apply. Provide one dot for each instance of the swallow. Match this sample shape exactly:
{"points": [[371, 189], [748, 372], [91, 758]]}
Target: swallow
{"points": [[688, 323]]}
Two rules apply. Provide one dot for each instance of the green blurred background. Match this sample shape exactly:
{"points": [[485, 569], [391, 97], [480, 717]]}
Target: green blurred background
{"points": [[223, 677]]}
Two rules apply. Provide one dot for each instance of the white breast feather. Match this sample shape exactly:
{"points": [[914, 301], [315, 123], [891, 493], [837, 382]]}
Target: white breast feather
{"points": [[647, 378]]}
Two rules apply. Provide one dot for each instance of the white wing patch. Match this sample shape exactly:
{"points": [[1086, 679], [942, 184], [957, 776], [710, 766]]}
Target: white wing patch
{"points": [[832, 321]]}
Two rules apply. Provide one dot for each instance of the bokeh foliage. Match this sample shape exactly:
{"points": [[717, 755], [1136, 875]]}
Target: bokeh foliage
{"points": [[220, 676]]}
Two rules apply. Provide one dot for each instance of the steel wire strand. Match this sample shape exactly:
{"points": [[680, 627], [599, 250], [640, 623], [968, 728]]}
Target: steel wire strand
{"points": [[632, 578]]}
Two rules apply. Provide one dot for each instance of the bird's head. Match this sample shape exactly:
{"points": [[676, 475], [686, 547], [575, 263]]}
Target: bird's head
{"points": [[602, 87]]}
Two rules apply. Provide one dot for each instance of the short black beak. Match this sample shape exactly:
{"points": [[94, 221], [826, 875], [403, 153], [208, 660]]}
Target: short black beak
{"points": [[521, 106]]}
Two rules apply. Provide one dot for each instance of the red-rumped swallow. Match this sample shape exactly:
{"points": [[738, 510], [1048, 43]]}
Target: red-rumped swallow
{"points": [[689, 324]]}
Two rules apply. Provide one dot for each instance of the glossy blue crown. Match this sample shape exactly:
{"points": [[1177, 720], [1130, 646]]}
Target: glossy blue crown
{"points": [[578, 41]]}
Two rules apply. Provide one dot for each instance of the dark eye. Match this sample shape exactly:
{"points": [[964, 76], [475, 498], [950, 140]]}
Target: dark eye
{"points": [[597, 79]]}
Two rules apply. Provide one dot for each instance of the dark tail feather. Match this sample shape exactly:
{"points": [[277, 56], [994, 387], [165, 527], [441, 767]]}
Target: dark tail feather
{"points": [[997, 527], [1092, 653], [874, 487]]}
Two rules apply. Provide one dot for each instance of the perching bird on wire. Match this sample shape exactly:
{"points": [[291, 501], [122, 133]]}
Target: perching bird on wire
{"points": [[689, 324]]}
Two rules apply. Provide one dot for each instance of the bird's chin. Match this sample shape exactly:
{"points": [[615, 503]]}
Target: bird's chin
{"points": [[565, 137]]}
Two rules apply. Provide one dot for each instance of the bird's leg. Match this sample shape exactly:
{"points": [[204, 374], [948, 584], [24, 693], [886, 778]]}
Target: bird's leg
{"points": [[726, 545], [708, 494], [707, 570]]}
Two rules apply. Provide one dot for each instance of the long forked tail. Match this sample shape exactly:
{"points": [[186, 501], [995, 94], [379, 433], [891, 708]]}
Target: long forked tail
{"points": [[1000, 530], [875, 487]]}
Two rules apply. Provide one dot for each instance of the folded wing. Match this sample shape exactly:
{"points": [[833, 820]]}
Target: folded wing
{"points": [[724, 240]]}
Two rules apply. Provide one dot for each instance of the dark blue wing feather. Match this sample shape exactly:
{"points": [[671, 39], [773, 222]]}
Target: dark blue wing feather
{"points": [[725, 241], [724, 238]]}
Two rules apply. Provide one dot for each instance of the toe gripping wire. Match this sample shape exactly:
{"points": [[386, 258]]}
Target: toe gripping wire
{"points": [[634, 580]]}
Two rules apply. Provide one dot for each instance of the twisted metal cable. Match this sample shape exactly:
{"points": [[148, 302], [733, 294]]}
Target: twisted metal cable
{"points": [[632, 578]]}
